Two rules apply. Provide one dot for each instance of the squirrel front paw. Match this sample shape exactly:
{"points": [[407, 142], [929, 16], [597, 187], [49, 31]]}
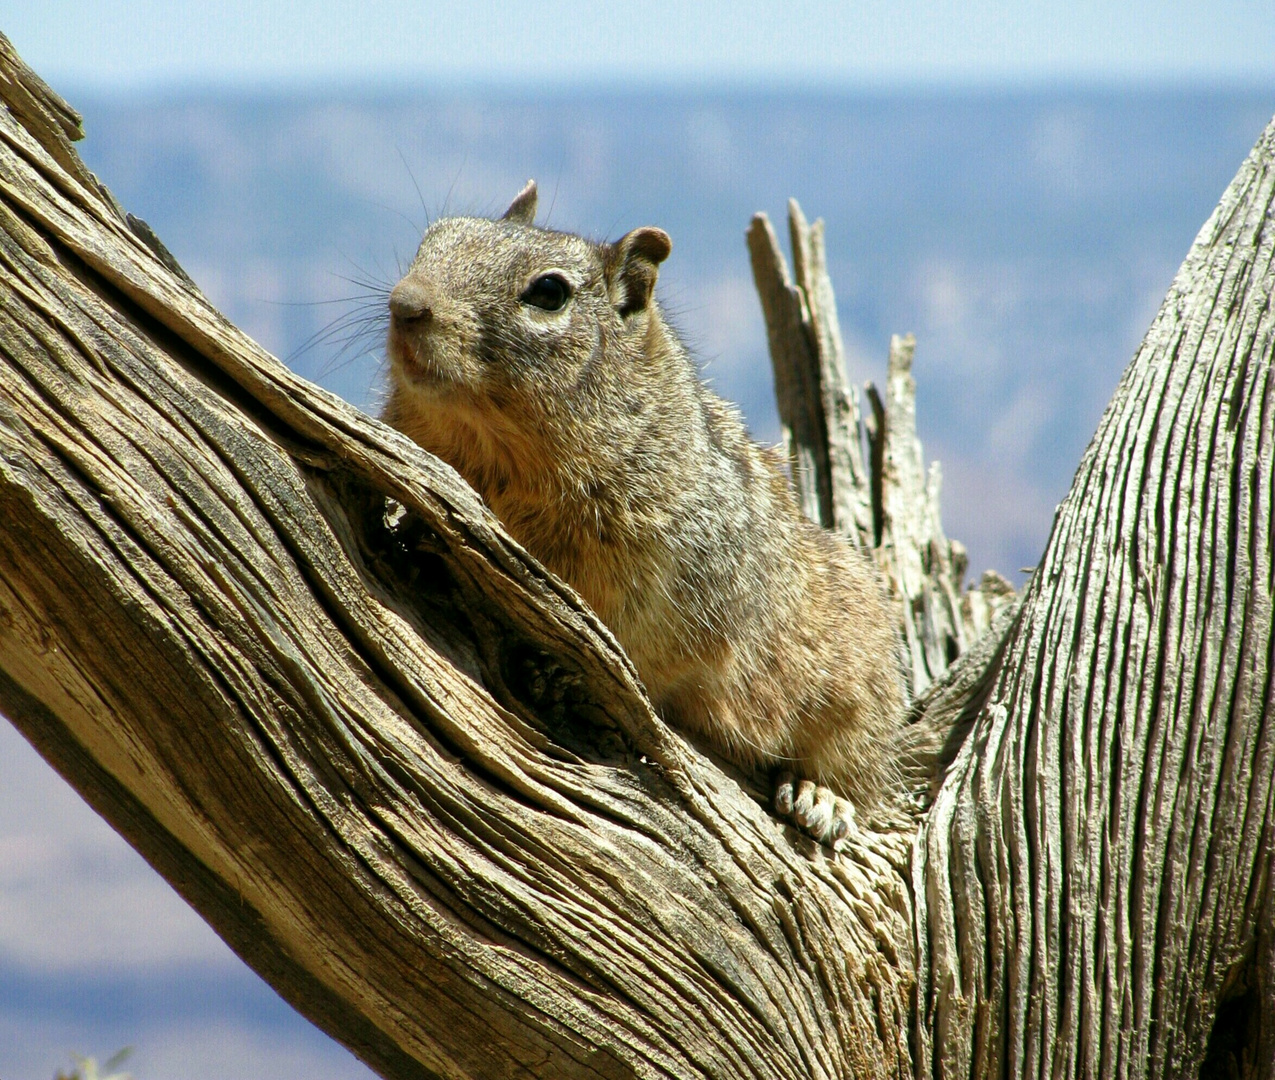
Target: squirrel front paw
{"points": [[817, 810]]}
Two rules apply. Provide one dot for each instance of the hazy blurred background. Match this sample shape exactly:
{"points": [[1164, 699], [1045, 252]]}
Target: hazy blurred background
{"points": [[1015, 183]]}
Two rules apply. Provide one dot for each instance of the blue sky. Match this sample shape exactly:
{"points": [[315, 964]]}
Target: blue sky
{"points": [[125, 44]]}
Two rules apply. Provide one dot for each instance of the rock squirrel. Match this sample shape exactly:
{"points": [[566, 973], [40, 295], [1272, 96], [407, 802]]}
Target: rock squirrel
{"points": [[538, 364]]}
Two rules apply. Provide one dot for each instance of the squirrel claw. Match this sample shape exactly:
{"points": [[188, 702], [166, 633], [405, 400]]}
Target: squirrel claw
{"points": [[817, 810]]}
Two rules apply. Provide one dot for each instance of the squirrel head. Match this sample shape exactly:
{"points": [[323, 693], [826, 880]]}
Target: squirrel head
{"points": [[632, 264], [509, 344], [500, 310]]}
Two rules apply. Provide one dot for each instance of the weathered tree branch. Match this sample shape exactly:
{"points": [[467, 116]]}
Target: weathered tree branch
{"points": [[412, 780], [890, 508], [1093, 883], [401, 770]]}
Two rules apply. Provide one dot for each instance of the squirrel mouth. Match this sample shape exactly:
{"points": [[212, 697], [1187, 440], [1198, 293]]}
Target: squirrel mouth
{"points": [[417, 364]]}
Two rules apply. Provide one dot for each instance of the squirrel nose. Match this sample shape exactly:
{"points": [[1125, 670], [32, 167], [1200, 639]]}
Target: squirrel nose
{"points": [[409, 301]]}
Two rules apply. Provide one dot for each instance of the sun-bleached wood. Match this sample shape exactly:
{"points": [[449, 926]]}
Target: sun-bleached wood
{"points": [[412, 780], [889, 507], [398, 767], [1094, 880]]}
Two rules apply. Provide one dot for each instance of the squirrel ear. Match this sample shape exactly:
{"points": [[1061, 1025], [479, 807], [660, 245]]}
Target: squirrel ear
{"points": [[523, 209], [633, 267]]}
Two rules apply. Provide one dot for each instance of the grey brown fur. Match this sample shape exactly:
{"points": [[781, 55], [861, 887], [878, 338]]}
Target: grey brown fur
{"points": [[590, 435]]}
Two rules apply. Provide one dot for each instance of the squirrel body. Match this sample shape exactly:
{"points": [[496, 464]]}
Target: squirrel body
{"points": [[538, 364]]}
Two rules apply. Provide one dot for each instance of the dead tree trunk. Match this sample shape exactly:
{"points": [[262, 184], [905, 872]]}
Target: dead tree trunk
{"points": [[412, 780]]}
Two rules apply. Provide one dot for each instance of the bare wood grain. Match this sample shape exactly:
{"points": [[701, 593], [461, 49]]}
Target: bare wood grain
{"points": [[890, 507], [848, 484], [410, 777], [797, 381], [1094, 879]]}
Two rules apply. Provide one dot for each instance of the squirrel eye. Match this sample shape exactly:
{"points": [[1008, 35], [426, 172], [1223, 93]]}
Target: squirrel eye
{"points": [[549, 292]]}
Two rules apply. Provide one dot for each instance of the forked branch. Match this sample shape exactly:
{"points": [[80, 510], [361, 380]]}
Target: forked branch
{"points": [[411, 779]]}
